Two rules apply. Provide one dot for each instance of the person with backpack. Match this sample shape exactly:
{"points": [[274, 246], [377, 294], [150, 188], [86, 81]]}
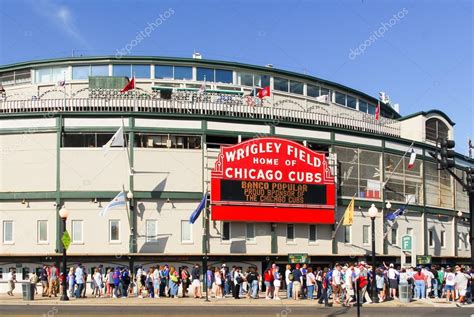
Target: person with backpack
{"points": [[173, 282], [238, 280], [253, 280], [125, 278], [289, 281]]}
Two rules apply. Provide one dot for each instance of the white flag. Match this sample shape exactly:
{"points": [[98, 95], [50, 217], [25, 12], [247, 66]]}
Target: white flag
{"points": [[119, 200], [322, 98], [116, 140], [411, 163]]}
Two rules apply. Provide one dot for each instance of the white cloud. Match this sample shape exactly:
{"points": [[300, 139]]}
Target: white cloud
{"points": [[63, 18]]}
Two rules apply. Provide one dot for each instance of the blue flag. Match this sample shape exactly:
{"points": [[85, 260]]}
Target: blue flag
{"points": [[197, 212], [397, 213]]}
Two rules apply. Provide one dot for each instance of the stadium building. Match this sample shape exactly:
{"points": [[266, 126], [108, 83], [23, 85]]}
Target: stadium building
{"points": [[56, 115]]}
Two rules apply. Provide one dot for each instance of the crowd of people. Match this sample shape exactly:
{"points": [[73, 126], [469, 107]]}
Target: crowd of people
{"points": [[343, 284]]}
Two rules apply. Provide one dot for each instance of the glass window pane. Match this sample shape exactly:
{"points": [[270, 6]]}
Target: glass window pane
{"points": [[296, 87], [324, 91], [226, 231], [114, 230], [312, 91], [280, 84], [363, 106], [312, 233], [122, 71], [432, 184], [80, 72], [340, 98], [372, 109], [351, 102], [205, 74], [246, 79], [77, 230], [59, 73], [183, 72], [394, 236], [349, 159], [151, 231], [250, 228], [186, 231], [100, 70], [224, 76], [43, 75], [365, 234], [163, 71], [264, 81], [290, 232], [42, 230], [141, 71], [347, 234], [8, 231]]}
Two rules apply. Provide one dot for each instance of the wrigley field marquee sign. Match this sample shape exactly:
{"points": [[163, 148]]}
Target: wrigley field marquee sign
{"points": [[272, 180]]}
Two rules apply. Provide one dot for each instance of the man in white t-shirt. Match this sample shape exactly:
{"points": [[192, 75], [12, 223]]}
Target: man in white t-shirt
{"points": [[393, 280], [336, 283], [348, 283], [461, 280], [449, 278]]}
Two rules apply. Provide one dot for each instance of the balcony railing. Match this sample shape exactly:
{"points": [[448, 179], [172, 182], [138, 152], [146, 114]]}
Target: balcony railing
{"points": [[230, 106]]}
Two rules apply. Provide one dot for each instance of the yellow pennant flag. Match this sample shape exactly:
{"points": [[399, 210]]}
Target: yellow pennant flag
{"points": [[349, 214]]}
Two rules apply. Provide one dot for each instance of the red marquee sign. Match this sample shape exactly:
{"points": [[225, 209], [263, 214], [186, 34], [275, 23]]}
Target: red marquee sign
{"points": [[272, 180]]}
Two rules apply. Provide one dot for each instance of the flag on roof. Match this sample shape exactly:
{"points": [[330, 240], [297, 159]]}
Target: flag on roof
{"points": [[118, 201], [197, 212], [349, 214], [411, 163], [116, 140], [129, 86], [377, 111]]}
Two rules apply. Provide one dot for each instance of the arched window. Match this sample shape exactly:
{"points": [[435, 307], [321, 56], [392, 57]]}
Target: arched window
{"points": [[435, 128]]}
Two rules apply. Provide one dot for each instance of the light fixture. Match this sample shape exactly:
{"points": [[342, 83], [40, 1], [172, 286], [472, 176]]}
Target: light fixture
{"points": [[63, 212], [23, 202], [388, 205], [130, 195], [373, 211], [95, 200], [459, 213]]}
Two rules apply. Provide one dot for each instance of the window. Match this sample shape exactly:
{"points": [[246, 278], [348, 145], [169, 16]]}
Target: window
{"points": [[435, 128], [439, 191], [246, 79], [77, 236], [7, 232], [183, 72], [460, 240], [114, 230], [225, 231], [149, 140], [152, 231], [42, 231], [296, 87], [164, 72], [224, 76], [312, 234], [410, 231], [122, 70], [325, 92], [280, 84], [393, 236], [48, 75], [290, 232], [186, 231], [431, 238], [365, 234], [263, 82], [363, 106], [372, 109], [205, 74], [442, 238], [80, 72], [340, 98], [99, 70], [351, 102], [250, 231], [15, 77], [141, 71], [86, 139], [312, 91], [347, 234]]}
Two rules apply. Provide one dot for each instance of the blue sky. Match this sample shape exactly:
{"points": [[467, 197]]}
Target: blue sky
{"points": [[424, 59]]}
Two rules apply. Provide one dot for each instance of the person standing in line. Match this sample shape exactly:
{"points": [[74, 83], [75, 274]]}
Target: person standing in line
{"points": [[11, 281], [420, 282], [289, 281], [44, 280], [53, 280], [34, 281], [297, 282], [71, 282], [238, 280], [97, 278], [276, 283], [392, 275], [84, 288], [125, 279], [319, 282], [185, 282], [449, 278], [461, 282], [196, 282], [79, 280], [336, 283], [218, 283], [268, 281], [310, 283]]}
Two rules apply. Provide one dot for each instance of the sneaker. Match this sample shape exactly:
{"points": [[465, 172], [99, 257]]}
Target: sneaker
{"points": [[114, 296]]}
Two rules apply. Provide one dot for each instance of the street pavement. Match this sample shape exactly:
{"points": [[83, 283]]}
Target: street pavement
{"points": [[133, 306]]}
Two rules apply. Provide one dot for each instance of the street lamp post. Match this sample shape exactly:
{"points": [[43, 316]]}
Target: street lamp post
{"points": [[64, 213], [373, 211]]}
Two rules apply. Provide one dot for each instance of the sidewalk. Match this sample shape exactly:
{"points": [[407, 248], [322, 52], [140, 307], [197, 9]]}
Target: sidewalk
{"points": [[228, 301]]}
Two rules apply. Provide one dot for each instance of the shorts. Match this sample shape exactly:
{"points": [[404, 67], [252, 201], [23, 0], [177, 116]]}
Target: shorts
{"points": [[449, 287], [350, 291], [196, 283], [462, 292], [393, 283], [268, 284], [379, 289]]}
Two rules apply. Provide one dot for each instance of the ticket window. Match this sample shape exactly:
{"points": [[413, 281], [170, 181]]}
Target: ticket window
{"points": [[25, 273]]}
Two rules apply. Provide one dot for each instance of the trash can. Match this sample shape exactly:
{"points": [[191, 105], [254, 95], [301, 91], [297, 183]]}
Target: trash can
{"points": [[28, 290], [404, 290]]}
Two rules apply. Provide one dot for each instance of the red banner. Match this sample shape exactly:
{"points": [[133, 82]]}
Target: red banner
{"points": [[272, 180]]}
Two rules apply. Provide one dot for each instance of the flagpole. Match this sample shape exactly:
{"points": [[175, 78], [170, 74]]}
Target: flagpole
{"points": [[340, 221], [127, 149], [401, 159]]}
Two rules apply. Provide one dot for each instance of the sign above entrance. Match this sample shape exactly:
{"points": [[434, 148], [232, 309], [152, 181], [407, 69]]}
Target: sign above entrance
{"points": [[272, 180]]}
